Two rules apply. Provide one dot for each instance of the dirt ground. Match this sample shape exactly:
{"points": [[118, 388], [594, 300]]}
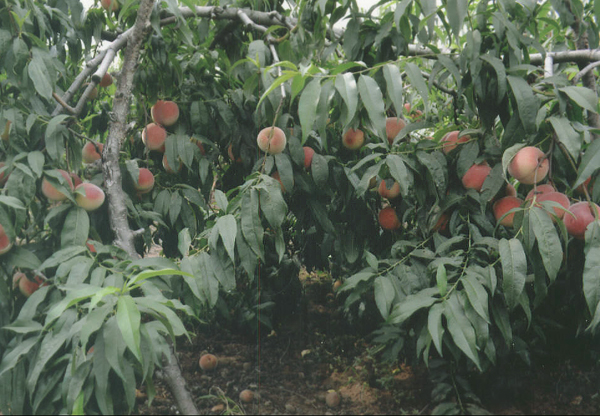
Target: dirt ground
{"points": [[291, 372]]}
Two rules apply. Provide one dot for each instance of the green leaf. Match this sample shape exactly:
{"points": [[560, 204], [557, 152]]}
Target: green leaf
{"points": [[221, 200], [411, 304], [567, 135], [62, 256], [38, 73], [319, 169], [437, 169], [460, 329], [286, 172], [135, 281], [393, 82], [498, 66], [384, 292], [184, 239], [527, 103], [457, 12], [223, 270], [76, 228], [345, 84], [417, 81], [228, 230], [36, 162], [584, 97], [590, 162], [285, 76], [548, 241], [12, 357], [75, 296], [307, 107], [49, 346], [514, 270], [477, 295], [441, 279], [435, 327], [11, 201], [372, 99], [251, 224], [591, 273], [272, 203], [128, 320], [400, 173]]}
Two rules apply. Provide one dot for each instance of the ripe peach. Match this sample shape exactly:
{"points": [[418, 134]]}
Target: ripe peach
{"points": [[308, 155], [581, 218], [232, 156], [442, 223], [353, 139], [165, 113], [540, 190], [106, 80], [200, 146], [76, 179], [475, 176], [502, 206], [89, 153], [5, 243], [89, 196], [168, 168], [393, 125], [110, 5], [208, 362], [332, 399], [246, 396], [145, 181], [51, 192], [389, 192], [93, 94], [4, 175], [336, 285], [529, 165], [90, 247], [271, 140], [388, 220], [451, 140], [578, 190], [154, 136], [26, 286], [510, 190], [557, 197]]}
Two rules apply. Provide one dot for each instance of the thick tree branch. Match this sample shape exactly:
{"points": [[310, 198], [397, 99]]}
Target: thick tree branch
{"points": [[112, 175]]}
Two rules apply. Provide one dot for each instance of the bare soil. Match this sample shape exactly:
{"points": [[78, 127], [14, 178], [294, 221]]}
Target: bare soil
{"points": [[291, 371]]}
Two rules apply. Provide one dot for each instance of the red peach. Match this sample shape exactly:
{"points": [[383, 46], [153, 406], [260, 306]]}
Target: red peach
{"points": [[5, 243], [165, 113], [388, 220], [578, 190], [76, 179], [154, 136], [168, 168], [106, 80], [502, 206], [89, 153], [577, 223], [308, 155], [442, 222], [557, 197], [110, 5], [540, 190], [26, 286], [208, 362], [475, 176], [271, 140], [529, 165], [510, 190], [353, 139], [389, 192], [451, 140], [51, 192], [89, 196], [145, 181], [4, 175], [393, 125]]}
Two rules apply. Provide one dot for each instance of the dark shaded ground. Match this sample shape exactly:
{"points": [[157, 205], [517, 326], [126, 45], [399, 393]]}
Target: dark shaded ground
{"points": [[292, 371]]}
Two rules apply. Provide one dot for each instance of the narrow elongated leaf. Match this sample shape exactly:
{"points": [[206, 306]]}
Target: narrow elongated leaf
{"points": [[12, 358], [384, 295], [228, 230], [252, 228], [49, 346], [417, 81], [591, 273], [128, 320], [457, 12], [584, 97], [73, 297], [307, 106], [76, 228], [527, 103], [498, 66], [567, 135], [477, 295], [441, 279], [319, 169], [590, 162], [435, 327], [38, 73], [436, 167], [514, 270], [272, 203], [412, 303], [400, 173], [372, 99], [461, 330], [547, 240], [393, 82], [345, 84]]}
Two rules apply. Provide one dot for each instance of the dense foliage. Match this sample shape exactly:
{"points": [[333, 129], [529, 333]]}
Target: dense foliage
{"points": [[445, 282]]}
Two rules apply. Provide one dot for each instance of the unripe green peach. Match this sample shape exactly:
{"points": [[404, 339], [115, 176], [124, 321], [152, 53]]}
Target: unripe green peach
{"points": [[353, 139], [154, 136], [165, 113], [529, 165], [51, 192], [89, 196], [89, 153], [271, 140]]}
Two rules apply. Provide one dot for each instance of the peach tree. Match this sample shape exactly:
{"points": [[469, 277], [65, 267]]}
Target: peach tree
{"points": [[439, 158]]}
